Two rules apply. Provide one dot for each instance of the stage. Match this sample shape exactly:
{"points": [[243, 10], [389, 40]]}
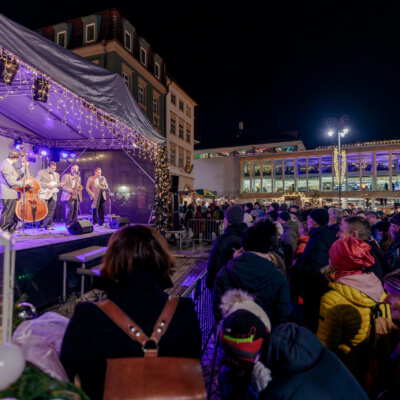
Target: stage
{"points": [[38, 271]]}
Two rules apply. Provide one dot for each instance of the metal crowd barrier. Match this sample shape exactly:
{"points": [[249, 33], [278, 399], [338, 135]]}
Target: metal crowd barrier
{"points": [[204, 230], [202, 298]]}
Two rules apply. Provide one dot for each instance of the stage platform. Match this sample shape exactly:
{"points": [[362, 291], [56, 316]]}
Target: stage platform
{"points": [[38, 271]]}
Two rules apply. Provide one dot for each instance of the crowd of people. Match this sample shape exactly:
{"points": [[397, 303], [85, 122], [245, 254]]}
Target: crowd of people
{"points": [[295, 294]]}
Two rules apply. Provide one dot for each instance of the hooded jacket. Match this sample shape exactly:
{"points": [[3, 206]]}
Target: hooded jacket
{"points": [[258, 276], [303, 369], [223, 249], [345, 317]]}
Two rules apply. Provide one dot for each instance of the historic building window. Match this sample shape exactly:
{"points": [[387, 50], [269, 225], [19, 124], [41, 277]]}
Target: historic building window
{"points": [[181, 105], [173, 99], [141, 96], [62, 39], [172, 153], [157, 70], [181, 130], [90, 32], [128, 41], [155, 105], [188, 111], [143, 56], [125, 77]]}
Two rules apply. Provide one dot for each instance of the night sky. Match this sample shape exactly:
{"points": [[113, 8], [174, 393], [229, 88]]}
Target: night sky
{"points": [[276, 66]]}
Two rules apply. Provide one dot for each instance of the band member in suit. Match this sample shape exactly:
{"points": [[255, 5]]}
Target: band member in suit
{"points": [[72, 194], [9, 180], [49, 179], [96, 186]]}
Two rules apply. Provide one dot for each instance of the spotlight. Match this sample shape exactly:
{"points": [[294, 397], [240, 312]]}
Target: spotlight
{"points": [[18, 143], [44, 152], [41, 89], [72, 155], [64, 154], [8, 69]]}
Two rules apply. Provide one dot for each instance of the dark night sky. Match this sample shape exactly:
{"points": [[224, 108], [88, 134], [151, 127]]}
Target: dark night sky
{"points": [[276, 66]]}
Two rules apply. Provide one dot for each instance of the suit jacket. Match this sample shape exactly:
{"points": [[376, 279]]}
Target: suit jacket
{"points": [[68, 179], [8, 178], [93, 188], [44, 178]]}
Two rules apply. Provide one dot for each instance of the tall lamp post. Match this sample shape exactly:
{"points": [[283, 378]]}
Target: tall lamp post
{"points": [[338, 127]]}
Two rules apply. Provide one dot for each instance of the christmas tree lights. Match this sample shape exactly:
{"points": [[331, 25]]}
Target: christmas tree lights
{"points": [[161, 189]]}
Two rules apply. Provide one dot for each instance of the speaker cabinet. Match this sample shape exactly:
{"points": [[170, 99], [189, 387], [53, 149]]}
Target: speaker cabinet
{"points": [[117, 222], [80, 227], [174, 183]]}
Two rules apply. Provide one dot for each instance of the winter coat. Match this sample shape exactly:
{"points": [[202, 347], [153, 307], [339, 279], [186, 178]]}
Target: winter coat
{"points": [[91, 337], [392, 257], [303, 369], [197, 223], [260, 278], [300, 247], [345, 317], [222, 250], [289, 239], [334, 228]]}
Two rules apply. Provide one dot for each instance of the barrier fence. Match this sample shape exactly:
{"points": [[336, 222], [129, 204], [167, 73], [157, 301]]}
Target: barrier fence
{"points": [[204, 230]]}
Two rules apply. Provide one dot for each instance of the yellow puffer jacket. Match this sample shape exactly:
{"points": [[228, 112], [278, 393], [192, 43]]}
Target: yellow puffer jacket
{"points": [[345, 319]]}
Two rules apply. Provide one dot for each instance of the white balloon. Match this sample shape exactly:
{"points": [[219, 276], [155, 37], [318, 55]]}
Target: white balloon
{"points": [[12, 364]]}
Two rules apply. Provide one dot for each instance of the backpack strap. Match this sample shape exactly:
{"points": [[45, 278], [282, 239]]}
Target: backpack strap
{"points": [[134, 331]]}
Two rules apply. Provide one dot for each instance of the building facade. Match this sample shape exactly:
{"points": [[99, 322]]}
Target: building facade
{"points": [[371, 175], [112, 42], [180, 135]]}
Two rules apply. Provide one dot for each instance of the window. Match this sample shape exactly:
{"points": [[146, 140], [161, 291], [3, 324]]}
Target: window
{"points": [[187, 161], [173, 156], [61, 39], [90, 33], [125, 77], [180, 158], [141, 97], [143, 56], [181, 105], [173, 99], [155, 105], [128, 41], [188, 135], [188, 111], [181, 130], [173, 125], [157, 70]]}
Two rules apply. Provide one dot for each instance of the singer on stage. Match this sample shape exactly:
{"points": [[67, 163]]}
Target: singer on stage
{"points": [[96, 186], [72, 194]]}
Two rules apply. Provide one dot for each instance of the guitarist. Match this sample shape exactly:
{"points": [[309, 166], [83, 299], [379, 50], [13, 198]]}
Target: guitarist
{"points": [[49, 179]]}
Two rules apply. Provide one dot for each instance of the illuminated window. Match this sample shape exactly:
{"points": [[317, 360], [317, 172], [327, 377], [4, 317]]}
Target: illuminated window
{"points": [[188, 111]]}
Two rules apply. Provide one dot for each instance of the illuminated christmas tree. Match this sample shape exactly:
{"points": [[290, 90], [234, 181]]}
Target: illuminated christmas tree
{"points": [[161, 191]]}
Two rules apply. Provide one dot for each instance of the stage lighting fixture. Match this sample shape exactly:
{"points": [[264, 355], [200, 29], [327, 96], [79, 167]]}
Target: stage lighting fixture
{"points": [[64, 154], [8, 69], [72, 155], [41, 89], [44, 152], [18, 143]]}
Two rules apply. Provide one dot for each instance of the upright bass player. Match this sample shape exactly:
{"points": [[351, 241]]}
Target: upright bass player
{"points": [[96, 186]]}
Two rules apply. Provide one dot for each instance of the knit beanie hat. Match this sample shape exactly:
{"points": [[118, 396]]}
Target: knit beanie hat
{"points": [[283, 207], [350, 256], [392, 283], [249, 206], [320, 216], [382, 226], [275, 206], [234, 214], [284, 215], [245, 325]]}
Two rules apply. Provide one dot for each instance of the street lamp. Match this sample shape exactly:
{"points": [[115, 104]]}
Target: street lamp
{"points": [[338, 127]]}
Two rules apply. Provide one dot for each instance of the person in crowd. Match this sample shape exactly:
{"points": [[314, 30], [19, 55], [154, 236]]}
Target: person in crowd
{"points": [[295, 366], [360, 228], [345, 313], [197, 225], [49, 179], [188, 221], [72, 194], [282, 207], [306, 274], [306, 210], [345, 213], [209, 228], [225, 244], [256, 210], [373, 219], [360, 213], [137, 268], [289, 237], [294, 218], [273, 211], [254, 272], [9, 181], [247, 217], [335, 216], [383, 231], [392, 258], [218, 217], [295, 209]]}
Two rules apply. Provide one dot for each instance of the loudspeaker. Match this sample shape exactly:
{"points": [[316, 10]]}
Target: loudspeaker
{"points": [[174, 183], [117, 222], [80, 227]]}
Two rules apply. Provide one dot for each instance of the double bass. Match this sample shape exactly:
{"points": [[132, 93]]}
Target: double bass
{"points": [[35, 207]]}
